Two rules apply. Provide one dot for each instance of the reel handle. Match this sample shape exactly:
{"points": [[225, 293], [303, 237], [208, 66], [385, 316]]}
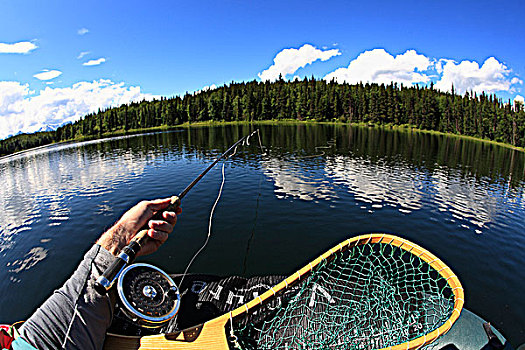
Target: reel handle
{"points": [[128, 254]]}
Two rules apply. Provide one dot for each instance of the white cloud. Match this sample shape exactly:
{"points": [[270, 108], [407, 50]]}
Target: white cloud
{"points": [[378, 66], [48, 74], [82, 31], [21, 110], [288, 61], [491, 77], [440, 63], [519, 98], [11, 94], [83, 54], [20, 47], [207, 88], [94, 62]]}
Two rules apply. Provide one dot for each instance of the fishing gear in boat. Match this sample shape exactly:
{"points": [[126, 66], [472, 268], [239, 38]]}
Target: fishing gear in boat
{"points": [[156, 296], [374, 291]]}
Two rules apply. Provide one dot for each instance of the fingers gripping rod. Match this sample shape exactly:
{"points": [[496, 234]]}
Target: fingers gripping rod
{"points": [[128, 254]]}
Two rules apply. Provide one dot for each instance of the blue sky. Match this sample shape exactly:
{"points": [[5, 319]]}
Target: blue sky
{"points": [[137, 49]]}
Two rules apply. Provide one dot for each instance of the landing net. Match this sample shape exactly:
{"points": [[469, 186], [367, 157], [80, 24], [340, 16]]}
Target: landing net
{"points": [[371, 294]]}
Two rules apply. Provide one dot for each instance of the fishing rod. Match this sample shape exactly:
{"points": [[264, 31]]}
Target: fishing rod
{"points": [[128, 254]]}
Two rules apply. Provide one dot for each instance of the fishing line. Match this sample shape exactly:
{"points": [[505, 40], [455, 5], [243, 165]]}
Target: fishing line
{"points": [[245, 142], [70, 325], [252, 234], [77, 300], [260, 143], [330, 144], [209, 227]]}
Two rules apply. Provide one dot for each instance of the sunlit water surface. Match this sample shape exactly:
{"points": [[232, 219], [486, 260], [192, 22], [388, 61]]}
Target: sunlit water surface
{"points": [[312, 187]]}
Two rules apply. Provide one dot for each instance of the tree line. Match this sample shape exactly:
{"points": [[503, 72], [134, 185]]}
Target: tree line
{"points": [[479, 115]]}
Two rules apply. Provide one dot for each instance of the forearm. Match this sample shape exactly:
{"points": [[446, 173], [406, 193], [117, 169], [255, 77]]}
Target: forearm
{"points": [[114, 239], [75, 316]]}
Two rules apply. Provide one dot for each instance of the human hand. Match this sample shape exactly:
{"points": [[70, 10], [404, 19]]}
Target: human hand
{"points": [[129, 225]]}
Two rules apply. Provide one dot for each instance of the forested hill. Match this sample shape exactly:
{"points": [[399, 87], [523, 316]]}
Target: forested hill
{"points": [[483, 116]]}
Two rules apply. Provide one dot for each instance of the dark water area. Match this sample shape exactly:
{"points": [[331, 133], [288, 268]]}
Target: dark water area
{"points": [[313, 187]]}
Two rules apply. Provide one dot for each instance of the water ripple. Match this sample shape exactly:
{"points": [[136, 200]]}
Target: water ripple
{"points": [[297, 182], [378, 183], [465, 199]]}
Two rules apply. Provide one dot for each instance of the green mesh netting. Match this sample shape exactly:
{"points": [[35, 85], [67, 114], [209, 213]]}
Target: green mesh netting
{"points": [[369, 297]]}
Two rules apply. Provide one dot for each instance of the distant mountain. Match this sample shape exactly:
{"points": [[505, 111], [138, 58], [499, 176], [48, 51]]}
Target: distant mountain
{"points": [[44, 128], [48, 127]]}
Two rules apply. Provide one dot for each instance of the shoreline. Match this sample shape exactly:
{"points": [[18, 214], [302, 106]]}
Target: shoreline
{"points": [[406, 128], [402, 128]]}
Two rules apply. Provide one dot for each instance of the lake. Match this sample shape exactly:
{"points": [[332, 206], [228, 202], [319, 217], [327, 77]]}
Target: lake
{"points": [[311, 187]]}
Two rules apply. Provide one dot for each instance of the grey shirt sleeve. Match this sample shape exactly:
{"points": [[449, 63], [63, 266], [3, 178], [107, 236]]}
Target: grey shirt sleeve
{"points": [[74, 316]]}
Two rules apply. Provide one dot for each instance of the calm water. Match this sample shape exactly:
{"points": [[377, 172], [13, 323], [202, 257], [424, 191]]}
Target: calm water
{"points": [[313, 187]]}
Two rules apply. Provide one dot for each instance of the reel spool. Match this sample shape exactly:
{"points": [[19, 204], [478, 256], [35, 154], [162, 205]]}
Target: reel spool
{"points": [[149, 295]]}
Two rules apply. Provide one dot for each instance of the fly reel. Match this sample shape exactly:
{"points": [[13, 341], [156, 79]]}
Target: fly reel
{"points": [[149, 295]]}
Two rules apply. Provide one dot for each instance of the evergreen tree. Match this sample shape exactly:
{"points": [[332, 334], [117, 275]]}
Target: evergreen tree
{"points": [[483, 116]]}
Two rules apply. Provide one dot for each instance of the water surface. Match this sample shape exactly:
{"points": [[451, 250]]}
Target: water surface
{"points": [[312, 187]]}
